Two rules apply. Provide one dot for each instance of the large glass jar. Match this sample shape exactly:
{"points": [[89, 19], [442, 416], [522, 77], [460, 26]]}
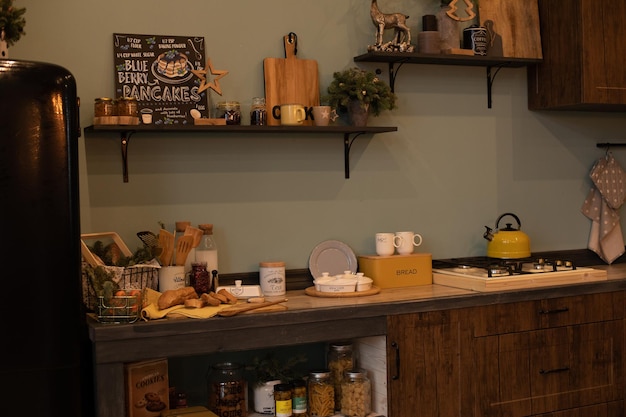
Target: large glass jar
{"points": [[356, 394], [321, 394], [228, 390], [340, 359]]}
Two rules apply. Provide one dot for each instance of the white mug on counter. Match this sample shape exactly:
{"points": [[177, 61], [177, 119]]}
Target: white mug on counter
{"points": [[408, 242], [386, 244]]}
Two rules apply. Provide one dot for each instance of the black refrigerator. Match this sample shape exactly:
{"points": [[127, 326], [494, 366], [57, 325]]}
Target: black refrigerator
{"points": [[46, 365]]}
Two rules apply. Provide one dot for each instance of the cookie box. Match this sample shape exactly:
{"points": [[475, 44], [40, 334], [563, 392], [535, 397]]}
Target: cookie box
{"points": [[147, 388], [398, 270]]}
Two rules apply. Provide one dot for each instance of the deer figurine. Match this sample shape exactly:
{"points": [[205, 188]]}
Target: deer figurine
{"points": [[396, 21]]}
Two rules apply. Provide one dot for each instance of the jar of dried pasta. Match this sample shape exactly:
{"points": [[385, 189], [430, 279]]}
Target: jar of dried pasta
{"points": [[321, 394], [356, 394], [340, 359]]}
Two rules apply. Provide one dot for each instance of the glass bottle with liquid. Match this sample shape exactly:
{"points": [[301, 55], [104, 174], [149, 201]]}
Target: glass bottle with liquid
{"points": [[207, 249]]}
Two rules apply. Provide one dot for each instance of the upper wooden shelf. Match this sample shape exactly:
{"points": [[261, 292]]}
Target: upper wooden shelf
{"points": [[400, 58]]}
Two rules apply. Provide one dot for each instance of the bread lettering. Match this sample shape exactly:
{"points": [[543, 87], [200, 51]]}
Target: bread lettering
{"points": [[171, 298]]}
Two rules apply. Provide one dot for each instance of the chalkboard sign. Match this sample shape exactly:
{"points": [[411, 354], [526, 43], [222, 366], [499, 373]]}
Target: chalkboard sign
{"points": [[158, 71]]}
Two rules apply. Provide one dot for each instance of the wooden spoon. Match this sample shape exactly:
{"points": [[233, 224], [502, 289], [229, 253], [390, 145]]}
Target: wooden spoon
{"points": [[183, 247], [231, 311], [196, 233]]}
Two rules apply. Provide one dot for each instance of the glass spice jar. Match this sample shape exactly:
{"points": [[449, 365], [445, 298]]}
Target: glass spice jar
{"points": [[229, 110], [104, 107], [299, 398], [340, 359], [127, 106], [258, 112], [199, 278], [356, 394], [283, 400], [321, 394], [228, 390]]}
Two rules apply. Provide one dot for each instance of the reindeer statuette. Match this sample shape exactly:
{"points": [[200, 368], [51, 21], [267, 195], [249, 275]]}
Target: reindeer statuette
{"points": [[397, 21]]}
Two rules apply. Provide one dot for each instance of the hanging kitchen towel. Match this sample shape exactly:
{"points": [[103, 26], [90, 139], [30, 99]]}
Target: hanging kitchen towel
{"points": [[601, 206]]}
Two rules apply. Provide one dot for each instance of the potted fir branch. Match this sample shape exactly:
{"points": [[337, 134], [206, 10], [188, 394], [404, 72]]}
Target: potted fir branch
{"points": [[356, 89], [12, 22]]}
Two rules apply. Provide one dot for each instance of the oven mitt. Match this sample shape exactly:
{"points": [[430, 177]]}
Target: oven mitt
{"points": [[610, 179]]}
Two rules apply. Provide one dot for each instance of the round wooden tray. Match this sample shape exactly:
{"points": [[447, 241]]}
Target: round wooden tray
{"points": [[314, 293]]}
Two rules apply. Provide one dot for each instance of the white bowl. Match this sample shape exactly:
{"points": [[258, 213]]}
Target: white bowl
{"points": [[364, 283], [333, 284]]}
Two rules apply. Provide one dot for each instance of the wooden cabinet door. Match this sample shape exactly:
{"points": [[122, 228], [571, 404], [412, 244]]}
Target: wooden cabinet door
{"points": [[584, 56], [425, 358]]}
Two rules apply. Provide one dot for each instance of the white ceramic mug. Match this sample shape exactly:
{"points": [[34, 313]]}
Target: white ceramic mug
{"points": [[408, 242], [322, 115], [171, 277], [386, 244], [290, 114]]}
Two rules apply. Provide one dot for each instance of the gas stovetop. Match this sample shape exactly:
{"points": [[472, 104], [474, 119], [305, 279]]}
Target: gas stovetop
{"points": [[492, 274]]}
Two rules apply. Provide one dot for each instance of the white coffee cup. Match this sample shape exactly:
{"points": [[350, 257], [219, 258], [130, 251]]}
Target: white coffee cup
{"points": [[171, 277], [386, 244], [408, 242]]}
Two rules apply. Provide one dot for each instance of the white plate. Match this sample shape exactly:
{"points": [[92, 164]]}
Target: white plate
{"points": [[332, 256]]}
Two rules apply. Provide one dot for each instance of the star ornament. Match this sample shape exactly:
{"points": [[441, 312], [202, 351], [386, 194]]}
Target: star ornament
{"points": [[205, 84]]}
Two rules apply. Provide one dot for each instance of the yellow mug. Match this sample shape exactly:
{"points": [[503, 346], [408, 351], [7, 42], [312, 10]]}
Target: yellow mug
{"points": [[289, 114]]}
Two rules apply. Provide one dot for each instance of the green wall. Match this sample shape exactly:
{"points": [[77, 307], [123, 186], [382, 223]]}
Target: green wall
{"points": [[453, 166]]}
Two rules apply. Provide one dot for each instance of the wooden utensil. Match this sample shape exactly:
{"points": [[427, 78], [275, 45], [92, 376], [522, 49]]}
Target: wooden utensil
{"points": [[183, 247], [231, 311], [166, 241], [148, 238], [290, 80], [196, 233]]}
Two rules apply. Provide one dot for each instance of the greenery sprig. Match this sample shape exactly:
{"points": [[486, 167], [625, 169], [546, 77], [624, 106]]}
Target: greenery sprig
{"points": [[12, 21], [361, 85]]}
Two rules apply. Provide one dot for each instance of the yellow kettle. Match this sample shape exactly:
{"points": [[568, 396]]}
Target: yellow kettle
{"points": [[507, 243]]}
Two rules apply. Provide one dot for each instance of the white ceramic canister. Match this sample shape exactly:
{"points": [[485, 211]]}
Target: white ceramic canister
{"points": [[272, 278]]}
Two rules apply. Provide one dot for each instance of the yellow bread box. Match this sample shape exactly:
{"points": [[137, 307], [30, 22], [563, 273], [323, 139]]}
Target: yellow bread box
{"points": [[398, 270], [197, 411]]}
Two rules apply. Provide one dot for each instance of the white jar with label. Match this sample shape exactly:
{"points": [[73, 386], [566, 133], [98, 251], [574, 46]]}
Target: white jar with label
{"points": [[272, 278]]}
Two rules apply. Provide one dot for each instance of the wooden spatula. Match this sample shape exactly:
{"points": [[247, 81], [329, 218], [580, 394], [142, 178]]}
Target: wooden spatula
{"points": [[183, 247], [196, 233], [166, 241]]}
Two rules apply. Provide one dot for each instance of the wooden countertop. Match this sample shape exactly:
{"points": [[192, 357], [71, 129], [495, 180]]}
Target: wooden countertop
{"points": [[308, 319]]}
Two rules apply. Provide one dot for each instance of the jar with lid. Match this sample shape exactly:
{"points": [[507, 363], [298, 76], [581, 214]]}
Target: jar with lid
{"points": [[272, 278], [199, 278], [282, 400], [228, 390], [299, 398], [229, 110], [340, 359], [258, 112], [321, 394], [127, 106], [104, 107], [356, 394]]}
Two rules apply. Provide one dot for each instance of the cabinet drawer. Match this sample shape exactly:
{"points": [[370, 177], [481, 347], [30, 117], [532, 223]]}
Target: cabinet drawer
{"points": [[530, 373], [548, 313]]}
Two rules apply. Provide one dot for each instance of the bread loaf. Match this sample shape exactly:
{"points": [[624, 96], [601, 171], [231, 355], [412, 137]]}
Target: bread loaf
{"points": [[171, 298], [210, 300], [230, 299], [195, 303]]}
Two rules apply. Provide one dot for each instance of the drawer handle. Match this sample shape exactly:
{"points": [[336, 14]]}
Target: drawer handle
{"points": [[553, 371], [397, 348], [555, 311]]}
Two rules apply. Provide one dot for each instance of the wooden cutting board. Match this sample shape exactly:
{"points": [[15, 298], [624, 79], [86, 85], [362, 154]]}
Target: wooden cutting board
{"points": [[290, 80], [516, 25]]}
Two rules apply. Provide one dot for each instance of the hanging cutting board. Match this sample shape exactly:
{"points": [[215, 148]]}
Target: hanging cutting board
{"points": [[290, 80], [516, 27]]}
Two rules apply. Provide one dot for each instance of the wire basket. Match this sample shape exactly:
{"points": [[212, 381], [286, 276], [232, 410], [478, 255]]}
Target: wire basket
{"points": [[120, 308]]}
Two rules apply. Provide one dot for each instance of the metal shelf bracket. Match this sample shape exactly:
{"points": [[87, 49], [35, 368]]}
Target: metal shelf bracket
{"points": [[490, 78], [124, 140], [347, 145]]}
